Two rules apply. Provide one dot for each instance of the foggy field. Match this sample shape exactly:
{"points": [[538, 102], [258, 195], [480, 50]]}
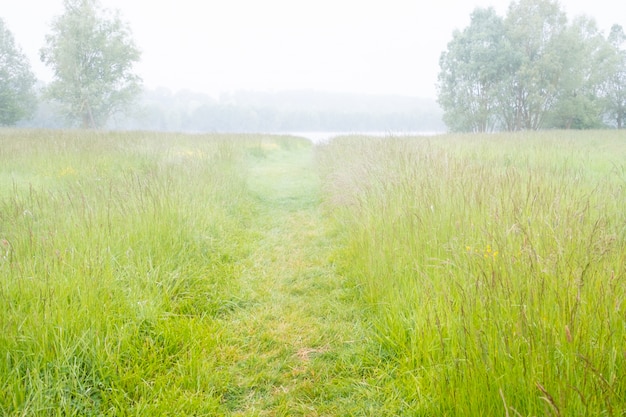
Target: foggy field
{"points": [[248, 275]]}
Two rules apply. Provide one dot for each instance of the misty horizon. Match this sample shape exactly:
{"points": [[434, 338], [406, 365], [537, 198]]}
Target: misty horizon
{"points": [[347, 47]]}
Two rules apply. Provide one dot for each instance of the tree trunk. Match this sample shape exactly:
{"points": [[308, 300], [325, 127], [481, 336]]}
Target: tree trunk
{"points": [[88, 121]]}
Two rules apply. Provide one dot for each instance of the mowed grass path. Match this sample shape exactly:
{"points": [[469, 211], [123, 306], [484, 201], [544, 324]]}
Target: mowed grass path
{"points": [[167, 275], [296, 347]]}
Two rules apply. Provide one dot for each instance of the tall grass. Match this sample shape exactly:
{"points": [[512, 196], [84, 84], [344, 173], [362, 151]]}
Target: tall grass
{"points": [[493, 267], [117, 253], [491, 271]]}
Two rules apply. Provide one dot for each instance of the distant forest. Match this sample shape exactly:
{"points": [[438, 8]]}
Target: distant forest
{"points": [[163, 110]]}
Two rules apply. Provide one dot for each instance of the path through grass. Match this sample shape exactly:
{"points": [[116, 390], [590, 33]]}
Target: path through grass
{"points": [[168, 275], [296, 348]]}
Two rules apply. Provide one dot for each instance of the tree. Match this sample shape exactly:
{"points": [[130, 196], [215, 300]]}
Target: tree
{"points": [[471, 70], [504, 73], [92, 54], [614, 87], [584, 53], [532, 70], [17, 97], [535, 27]]}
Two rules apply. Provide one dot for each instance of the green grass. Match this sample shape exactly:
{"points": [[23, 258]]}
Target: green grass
{"points": [[120, 253], [150, 274], [247, 275], [493, 267]]}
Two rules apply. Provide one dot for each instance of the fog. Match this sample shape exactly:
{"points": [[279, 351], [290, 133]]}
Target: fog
{"points": [[374, 47]]}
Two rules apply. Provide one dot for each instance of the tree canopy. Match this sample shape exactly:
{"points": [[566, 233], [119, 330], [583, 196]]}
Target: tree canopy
{"points": [[17, 97], [472, 71], [531, 69], [92, 54]]}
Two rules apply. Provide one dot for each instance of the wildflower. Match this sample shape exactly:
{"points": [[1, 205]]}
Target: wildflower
{"points": [[490, 253], [67, 172], [486, 253]]}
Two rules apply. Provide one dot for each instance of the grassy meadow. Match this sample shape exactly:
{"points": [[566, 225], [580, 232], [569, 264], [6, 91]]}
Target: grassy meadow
{"points": [[118, 252], [492, 267], [248, 275]]}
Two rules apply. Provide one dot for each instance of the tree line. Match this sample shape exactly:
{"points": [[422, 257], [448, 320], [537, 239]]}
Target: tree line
{"points": [[283, 111], [91, 52], [532, 69]]}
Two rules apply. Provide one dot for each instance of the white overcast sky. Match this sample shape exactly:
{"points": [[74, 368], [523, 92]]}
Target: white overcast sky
{"points": [[213, 46]]}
